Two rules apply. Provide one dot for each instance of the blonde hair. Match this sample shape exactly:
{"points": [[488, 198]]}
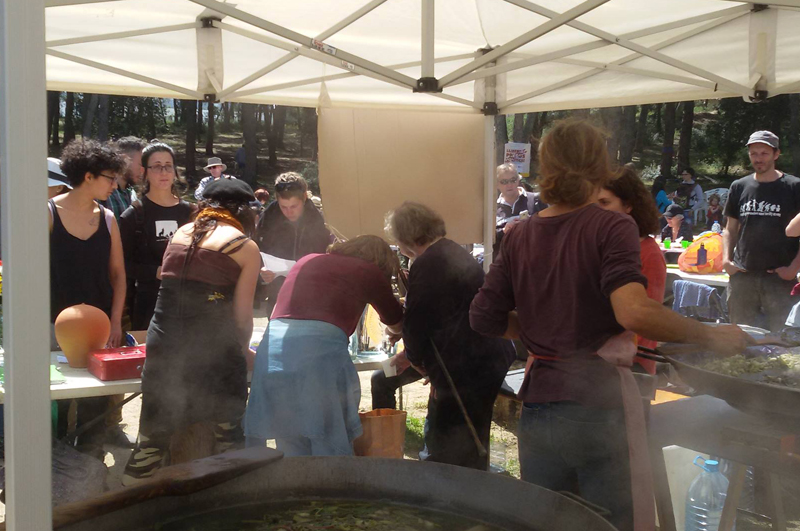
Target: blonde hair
{"points": [[370, 248], [573, 163], [414, 224], [507, 167]]}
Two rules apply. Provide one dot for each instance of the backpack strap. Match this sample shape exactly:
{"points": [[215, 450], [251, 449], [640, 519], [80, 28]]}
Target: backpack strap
{"points": [[138, 217], [243, 239]]}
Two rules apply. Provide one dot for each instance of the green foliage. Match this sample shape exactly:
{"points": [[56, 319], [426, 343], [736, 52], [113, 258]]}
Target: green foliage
{"points": [[310, 172]]}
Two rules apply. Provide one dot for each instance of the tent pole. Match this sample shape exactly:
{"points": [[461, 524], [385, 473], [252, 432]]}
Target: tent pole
{"points": [[488, 191], [428, 37], [26, 297]]}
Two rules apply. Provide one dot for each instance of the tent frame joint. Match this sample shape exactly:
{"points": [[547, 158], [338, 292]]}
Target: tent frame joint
{"points": [[427, 84], [211, 98], [490, 108], [759, 7], [208, 22], [759, 96]]}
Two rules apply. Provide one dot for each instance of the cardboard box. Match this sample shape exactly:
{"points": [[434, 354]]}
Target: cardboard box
{"points": [[117, 363], [139, 335]]}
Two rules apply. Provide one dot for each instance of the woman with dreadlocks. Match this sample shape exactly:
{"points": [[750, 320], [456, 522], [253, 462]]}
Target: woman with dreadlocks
{"points": [[195, 377]]}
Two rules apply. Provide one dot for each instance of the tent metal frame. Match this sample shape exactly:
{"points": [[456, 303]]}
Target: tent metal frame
{"points": [[23, 49]]}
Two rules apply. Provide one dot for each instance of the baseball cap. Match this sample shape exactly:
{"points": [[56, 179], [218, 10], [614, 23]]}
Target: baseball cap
{"points": [[673, 210], [764, 137], [56, 177]]}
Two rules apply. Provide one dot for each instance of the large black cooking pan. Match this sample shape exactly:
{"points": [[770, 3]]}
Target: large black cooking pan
{"points": [[745, 394]]}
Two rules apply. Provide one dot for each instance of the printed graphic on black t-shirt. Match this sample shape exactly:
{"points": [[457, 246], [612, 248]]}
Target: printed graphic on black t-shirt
{"points": [[763, 211], [165, 229]]}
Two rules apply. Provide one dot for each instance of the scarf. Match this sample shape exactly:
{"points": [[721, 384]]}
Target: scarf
{"points": [[220, 214]]}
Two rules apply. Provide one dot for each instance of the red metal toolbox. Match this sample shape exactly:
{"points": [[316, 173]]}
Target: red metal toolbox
{"points": [[117, 363]]}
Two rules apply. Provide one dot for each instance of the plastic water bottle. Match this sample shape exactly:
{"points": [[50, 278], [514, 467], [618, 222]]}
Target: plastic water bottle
{"points": [[716, 228], [706, 497]]}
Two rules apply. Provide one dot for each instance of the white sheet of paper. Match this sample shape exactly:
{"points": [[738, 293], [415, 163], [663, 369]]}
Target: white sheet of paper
{"points": [[279, 266]]}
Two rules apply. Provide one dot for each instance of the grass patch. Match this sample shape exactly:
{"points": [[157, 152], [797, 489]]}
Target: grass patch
{"points": [[415, 439]]}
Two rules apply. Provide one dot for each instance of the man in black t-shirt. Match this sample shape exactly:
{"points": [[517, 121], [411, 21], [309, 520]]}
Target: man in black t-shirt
{"points": [[762, 261]]}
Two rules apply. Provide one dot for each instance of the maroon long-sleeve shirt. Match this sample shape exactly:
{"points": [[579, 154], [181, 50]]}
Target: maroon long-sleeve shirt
{"points": [[558, 273]]}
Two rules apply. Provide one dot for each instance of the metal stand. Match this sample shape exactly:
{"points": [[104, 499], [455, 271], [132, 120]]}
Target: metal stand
{"points": [[711, 426]]}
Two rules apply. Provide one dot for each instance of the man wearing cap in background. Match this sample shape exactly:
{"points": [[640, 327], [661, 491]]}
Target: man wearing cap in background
{"points": [[122, 197], [56, 180], [762, 261], [215, 167]]}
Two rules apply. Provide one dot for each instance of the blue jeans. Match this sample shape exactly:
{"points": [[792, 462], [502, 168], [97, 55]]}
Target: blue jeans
{"points": [[565, 446], [298, 446]]}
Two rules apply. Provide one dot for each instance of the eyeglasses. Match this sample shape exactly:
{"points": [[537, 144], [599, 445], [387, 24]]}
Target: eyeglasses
{"points": [[110, 178], [291, 185], [157, 168], [507, 181]]}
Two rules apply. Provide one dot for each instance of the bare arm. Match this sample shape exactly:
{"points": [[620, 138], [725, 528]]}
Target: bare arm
{"points": [[793, 228], [250, 260], [116, 273], [636, 312], [729, 238]]}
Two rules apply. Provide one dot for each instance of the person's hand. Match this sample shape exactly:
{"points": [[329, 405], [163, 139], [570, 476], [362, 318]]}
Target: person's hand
{"points": [[786, 273], [267, 275], [731, 268], [158, 273], [727, 340], [400, 360], [393, 337], [115, 337], [510, 225]]}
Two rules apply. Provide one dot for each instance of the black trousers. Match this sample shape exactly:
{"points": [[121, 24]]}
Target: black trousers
{"points": [[384, 388]]}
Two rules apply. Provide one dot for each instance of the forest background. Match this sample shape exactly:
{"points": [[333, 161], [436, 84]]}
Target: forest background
{"points": [[708, 135]]}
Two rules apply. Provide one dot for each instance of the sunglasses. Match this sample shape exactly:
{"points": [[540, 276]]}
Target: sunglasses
{"points": [[293, 185], [507, 181], [157, 168]]}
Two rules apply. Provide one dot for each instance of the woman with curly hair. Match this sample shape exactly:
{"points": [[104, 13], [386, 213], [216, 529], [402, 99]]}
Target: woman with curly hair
{"points": [[147, 226], [627, 194], [195, 376], [86, 260], [305, 390]]}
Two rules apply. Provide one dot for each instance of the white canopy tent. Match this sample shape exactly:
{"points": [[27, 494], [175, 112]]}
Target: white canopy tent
{"points": [[464, 56]]}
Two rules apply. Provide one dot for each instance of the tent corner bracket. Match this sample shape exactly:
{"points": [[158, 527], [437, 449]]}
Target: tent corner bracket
{"points": [[208, 22], [210, 98], [427, 84], [759, 7], [490, 109], [759, 96]]}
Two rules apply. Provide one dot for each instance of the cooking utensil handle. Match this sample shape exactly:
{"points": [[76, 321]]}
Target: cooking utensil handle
{"points": [[651, 354]]}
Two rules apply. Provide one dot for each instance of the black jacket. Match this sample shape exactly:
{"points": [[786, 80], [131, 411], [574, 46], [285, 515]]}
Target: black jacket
{"points": [[279, 237], [531, 202]]}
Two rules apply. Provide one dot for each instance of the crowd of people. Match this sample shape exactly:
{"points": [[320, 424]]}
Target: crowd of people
{"points": [[582, 248]]}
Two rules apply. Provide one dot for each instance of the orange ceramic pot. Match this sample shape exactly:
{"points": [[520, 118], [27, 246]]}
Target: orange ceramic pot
{"points": [[79, 330]]}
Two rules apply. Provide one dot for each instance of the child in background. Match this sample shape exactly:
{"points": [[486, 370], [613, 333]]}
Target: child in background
{"points": [[714, 212]]}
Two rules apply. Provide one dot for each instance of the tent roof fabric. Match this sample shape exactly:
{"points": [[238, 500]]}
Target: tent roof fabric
{"points": [[545, 55]]}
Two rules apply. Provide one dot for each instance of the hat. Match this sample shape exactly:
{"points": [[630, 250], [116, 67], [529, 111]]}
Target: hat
{"points": [[764, 137], [229, 190], [55, 177], [215, 161], [673, 210]]}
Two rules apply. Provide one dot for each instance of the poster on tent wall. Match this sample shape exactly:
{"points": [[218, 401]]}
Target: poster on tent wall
{"points": [[370, 161], [520, 155]]}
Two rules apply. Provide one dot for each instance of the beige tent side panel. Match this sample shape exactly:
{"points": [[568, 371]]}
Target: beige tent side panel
{"points": [[370, 161]]}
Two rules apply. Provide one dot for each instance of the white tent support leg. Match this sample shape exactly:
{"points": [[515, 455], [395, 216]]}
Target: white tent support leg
{"points": [[489, 200], [26, 293]]}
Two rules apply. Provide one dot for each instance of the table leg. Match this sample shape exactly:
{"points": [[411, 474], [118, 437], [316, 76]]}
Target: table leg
{"points": [[735, 487], [666, 514], [775, 503]]}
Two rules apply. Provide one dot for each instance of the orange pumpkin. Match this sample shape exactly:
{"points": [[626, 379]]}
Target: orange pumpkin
{"points": [[79, 330]]}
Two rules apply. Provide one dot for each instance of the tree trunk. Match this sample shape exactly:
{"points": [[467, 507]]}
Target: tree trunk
{"points": [[267, 113], [668, 147], [190, 108], [500, 138], [659, 106], [210, 131], [612, 120], [102, 117], [794, 131], [313, 122], [226, 117], [89, 109], [53, 115], [685, 142], [249, 125], [69, 118], [300, 126], [627, 139], [199, 120], [279, 124], [641, 129], [151, 118], [519, 128]]}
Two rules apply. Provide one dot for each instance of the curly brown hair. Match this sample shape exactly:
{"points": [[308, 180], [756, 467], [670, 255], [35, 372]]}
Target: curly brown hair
{"points": [[630, 189], [80, 157], [372, 249], [573, 163], [414, 224]]}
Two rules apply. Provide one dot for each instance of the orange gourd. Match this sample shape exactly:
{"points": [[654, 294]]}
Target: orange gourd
{"points": [[79, 330]]}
